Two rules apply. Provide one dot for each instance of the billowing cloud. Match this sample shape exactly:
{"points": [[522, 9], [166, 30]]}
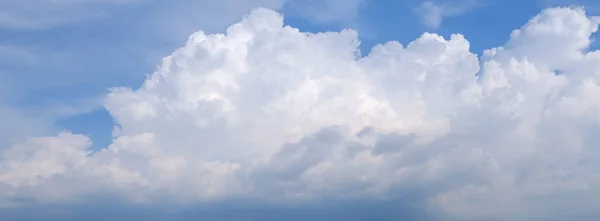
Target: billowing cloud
{"points": [[267, 113]]}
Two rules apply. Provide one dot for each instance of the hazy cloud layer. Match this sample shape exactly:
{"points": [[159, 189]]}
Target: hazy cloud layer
{"points": [[269, 114], [47, 13], [36, 14]]}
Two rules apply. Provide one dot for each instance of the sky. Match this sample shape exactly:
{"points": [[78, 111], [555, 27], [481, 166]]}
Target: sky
{"points": [[347, 110]]}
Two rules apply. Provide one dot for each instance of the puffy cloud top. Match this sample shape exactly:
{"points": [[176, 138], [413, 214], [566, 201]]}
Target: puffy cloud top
{"points": [[268, 113]]}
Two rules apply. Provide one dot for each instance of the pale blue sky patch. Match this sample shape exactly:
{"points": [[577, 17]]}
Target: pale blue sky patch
{"points": [[433, 13], [43, 14]]}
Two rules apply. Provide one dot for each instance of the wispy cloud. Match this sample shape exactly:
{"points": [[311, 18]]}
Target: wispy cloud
{"points": [[433, 13], [34, 14], [324, 11]]}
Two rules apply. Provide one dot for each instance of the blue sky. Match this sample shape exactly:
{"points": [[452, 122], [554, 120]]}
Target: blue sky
{"points": [[60, 63], [47, 63]]}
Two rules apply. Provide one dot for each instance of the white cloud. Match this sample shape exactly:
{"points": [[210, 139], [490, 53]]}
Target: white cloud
{"points": [[18, 124], [433, 13], [590, 5], [48, 13], [36, 14], [270, 113], [325, 11]]}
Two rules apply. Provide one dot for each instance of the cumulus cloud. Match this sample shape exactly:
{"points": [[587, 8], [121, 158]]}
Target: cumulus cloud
{"points": [[590, 5], [267, 113]]}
